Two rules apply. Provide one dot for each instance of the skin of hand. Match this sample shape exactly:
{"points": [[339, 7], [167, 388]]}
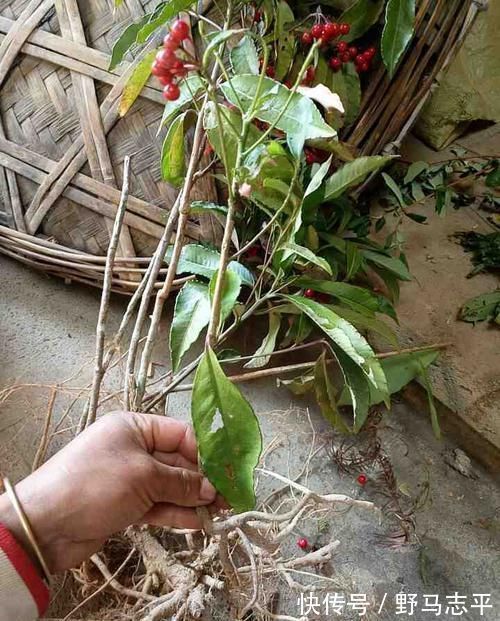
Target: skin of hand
{"points": [[127, 468]]}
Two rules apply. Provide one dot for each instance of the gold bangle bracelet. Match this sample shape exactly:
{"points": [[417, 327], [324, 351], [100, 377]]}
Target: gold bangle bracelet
{"points": [[23, 518]]}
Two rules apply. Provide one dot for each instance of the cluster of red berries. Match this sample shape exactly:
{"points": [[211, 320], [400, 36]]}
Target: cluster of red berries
{"points": [[350, 53], [167, 66], [317, 296], [326, 32]]}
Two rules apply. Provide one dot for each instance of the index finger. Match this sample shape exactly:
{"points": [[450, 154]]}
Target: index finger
{"points": [[169, 435]]}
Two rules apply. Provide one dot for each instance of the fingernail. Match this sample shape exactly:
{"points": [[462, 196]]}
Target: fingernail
{"points": [[207, 490]]}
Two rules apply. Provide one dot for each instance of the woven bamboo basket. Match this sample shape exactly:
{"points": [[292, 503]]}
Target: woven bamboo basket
{"points": [[62, 143]]}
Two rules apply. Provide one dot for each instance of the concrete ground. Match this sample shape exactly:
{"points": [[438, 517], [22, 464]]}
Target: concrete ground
{"points": [[47, 336]]}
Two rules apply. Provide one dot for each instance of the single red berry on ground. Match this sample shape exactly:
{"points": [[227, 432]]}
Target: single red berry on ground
{"points": [[362, 479], [171, 92], [307, 38], [309, 293], [179, 30], [345, 29], [317, 31], [303, 543]]}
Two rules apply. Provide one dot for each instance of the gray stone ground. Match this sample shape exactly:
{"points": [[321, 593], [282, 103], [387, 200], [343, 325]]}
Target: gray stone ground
{"points": [[47, 335]]}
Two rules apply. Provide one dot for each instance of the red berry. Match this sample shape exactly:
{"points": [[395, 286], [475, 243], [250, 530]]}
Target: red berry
{"points": [[253, 251], [330, 31], [360, 59], [371, 52], [363, 67], [345, 29], [166, 78], [157, 69], [179, 30], [288, 83], [307, 38], [342, 47], [309, 293], [171, 92], [303, 543], [170, 42], [257, 16], [310, 159], [270, 71], [317, 31], [165, 58], [362, 479], [353, 51], [345, 57], [323, 297], [336, 64]]}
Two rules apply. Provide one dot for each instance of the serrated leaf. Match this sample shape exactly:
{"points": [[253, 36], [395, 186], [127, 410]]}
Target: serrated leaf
{"points": [[262, 355], [363, 321], [173, 160], [391, 264], [326, 395], [361, 16], [352, 174], [244, 57], [136, 83], [398, 32], [230, 292], [201, 207], [309, 256], [481, 307], [203, 261], [191, 316], [227, 432], [189, 88], [300, 119], [345, 336], [357, 298], [126, 41], [163, 13]]}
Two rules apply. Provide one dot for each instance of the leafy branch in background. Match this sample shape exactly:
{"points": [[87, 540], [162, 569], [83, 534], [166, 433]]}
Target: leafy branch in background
{"points": [[267, 105]]}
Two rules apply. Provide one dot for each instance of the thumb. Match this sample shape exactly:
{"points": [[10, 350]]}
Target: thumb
{"points": [[183, 487]]}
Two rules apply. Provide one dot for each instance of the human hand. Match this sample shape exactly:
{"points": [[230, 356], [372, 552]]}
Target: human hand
{"points": [[125, 469]]}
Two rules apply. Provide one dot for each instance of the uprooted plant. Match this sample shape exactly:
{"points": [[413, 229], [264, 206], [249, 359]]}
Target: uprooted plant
{"points": [[294, 241]]}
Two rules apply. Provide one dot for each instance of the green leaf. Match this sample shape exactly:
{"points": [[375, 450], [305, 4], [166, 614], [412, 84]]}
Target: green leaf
{"points": [[126, 41], [392, 264], [262, 355], [326, 395], [189, 88], [352, 174], [285, 39], [309, 256], [481, 308], [227, 432], [394, 188], [203, 261], [136, 83], [357, 386], [230, 292], [354, 260], [493, 178], [357, 298], [345, 336], [173, 160], [398, 31], [362, 321], [362, 15], [201, 207], [216, 41], [164, 12], [318, 177], [415, 170], [300, 119], [191, 315], [244, 57], [300, 385]]}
